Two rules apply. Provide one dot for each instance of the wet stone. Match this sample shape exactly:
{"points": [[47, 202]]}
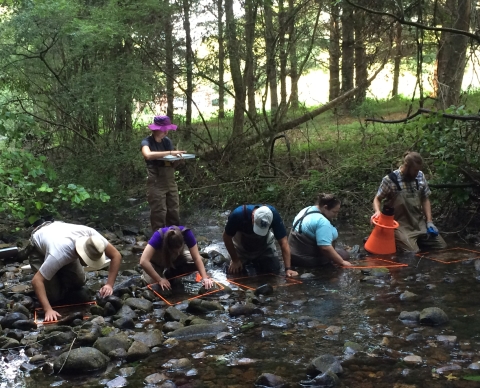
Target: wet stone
{"points": [[137, 351], [474, 365], [282, 323], [139, 304], [10, 319], [265, 289], [174, 314], [433, 316], [324, 363], [38, 359], [333, 330], [150, 338], [448, 368], [270, 380], [24, 325], [81, 360], [411, 316], [223, 335], [126, 372], [170, 343], [107, 344], [171, 326], [117, 382], [449, 339], [178, 364], [408, 296], [414, 337], [155, 378], [118, 354], [109, 310], [412, 359], [8, 343]]}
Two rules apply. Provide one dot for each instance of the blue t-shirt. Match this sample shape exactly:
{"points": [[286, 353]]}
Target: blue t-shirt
{"points": [[240, 220], [316, 226]]}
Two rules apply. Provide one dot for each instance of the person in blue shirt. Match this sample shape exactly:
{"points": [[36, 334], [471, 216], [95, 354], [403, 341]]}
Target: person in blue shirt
{"points": [[248, 238], [312, 239]]}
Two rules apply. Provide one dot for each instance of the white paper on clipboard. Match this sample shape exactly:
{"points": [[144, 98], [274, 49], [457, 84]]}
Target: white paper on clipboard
{"points": [[173, 157]]}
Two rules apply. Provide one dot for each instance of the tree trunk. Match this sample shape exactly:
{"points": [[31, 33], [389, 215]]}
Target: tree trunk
{"points": [[221, 61], [169, 65], [361, 73], [189, 67], [348, 52], [398, 58], [235, 70], [283, 53], [451, 58], [249, 73], [334, 53], [292, 44], [270, 58]]}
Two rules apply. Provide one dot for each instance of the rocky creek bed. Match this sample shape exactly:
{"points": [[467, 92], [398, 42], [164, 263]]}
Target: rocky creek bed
{"points": [[415, 326]]}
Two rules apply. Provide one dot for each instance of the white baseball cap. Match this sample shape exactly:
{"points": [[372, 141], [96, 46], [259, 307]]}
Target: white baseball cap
{"points": [[262, 219]]}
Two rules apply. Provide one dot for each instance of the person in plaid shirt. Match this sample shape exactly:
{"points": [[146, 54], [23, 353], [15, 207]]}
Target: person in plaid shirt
{"points": [[407, 191]]}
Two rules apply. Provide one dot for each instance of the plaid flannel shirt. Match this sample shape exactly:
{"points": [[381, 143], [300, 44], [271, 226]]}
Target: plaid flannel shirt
{"points": [[388, 188]]}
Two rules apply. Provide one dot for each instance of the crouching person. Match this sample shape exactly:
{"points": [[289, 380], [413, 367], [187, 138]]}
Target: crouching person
{"points": [[63, 250]]}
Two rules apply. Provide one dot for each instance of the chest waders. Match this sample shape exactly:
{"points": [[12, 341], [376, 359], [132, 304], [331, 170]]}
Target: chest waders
{"points": [[162, 196], [259, 250], [412, 230], [303, 249]]}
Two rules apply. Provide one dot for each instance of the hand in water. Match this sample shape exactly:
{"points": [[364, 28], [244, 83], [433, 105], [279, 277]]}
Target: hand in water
{"points": [[164, 284], [208, 283], [51, 315], [235, 266]]}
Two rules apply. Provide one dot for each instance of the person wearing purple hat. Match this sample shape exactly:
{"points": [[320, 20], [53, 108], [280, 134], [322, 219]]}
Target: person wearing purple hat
{"points": [[162, 190]]}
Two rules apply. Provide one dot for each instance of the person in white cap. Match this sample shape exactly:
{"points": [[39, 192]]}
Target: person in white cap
{"points": [[248, 238], [66, 249]]}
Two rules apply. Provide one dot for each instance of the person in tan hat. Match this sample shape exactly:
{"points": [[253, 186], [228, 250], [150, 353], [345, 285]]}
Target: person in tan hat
{"points": [[249, 239], [162, 190], [64, 250]]}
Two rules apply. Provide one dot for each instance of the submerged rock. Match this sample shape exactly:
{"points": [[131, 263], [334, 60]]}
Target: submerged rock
{"points": [[150, 338], [270, 380], [107, 344], [410, 316], [197, 331], [9, 319], [324, 363], [244, 309], [433, 316], [265, 289]]}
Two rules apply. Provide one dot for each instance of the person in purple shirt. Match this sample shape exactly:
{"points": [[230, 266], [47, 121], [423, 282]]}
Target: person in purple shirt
{"points": [[172, 251]]}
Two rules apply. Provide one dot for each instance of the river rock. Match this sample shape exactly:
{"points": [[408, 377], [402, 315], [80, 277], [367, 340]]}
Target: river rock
{"points": [[174, 314], [81, 360], [126, 372], [25, 325], [270, 380], [155, 378], [139, 304], [410, 316], [412, 359], [124, 323], [117, 382], [117, 354], [324, 363], [97, 310], [107, 344], [448, 368], [61, 338], [433, 316], [448, 339], [203, 306], [9, 319], [265, 289], [243, 309], [327, 380], [126, 312], [408, 296], [150, 338], [197, 331], [474, 365], [178, 364], [109, 310], [20, 308], [8, 343], [137, 351], [115, 301], [414, 337], [171, 326]]}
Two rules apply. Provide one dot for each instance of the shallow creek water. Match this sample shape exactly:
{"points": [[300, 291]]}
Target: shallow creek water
{"points": [[318, 316]]}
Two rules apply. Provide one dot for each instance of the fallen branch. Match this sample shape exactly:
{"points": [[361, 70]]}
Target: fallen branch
{"points": [[427, 111]]}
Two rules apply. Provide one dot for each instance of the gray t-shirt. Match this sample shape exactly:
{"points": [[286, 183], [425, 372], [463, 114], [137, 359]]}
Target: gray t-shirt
{"points": [[57, 242]]}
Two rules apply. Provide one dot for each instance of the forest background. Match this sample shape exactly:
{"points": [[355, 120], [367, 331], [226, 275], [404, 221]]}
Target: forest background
{"points": [[278, 99]]}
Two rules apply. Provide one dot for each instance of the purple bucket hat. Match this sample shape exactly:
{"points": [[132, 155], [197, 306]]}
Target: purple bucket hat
{"points": [[162, 123]]}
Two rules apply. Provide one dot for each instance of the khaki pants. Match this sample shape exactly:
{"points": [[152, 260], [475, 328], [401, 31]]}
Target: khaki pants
{"points": [[162, 197]]}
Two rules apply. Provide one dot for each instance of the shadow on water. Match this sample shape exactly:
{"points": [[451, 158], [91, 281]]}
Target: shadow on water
{"points": [[349, 313]]}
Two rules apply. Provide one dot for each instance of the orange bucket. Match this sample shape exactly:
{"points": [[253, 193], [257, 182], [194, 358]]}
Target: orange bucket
{"points": [[382, 239]]}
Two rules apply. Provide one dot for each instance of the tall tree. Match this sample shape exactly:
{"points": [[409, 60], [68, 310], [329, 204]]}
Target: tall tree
{"points": [[292, 54], [361, 73], [334, 52], [271, 68], [221, 60], [397, 58], [348, 49], [188, 64]]}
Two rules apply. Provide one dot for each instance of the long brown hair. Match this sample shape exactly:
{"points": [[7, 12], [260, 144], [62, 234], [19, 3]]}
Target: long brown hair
{"points": [[172, 240]]}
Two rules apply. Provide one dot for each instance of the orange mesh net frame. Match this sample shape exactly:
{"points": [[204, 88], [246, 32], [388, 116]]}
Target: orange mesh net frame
{"points": [[198, 278], [384, 263], [289, 281], [469, 255], [38, 310]]}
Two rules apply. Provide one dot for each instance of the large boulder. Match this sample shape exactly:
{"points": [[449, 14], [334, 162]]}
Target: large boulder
{"points": [[139, 304], [9, 319], [80, 361]]}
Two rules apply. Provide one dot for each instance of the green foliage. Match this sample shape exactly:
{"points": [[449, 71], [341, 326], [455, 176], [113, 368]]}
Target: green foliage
{"points": [[28, 183]]}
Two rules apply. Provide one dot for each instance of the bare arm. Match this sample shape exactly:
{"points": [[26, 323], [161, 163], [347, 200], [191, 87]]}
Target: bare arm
{"points": [[145, 263], [377, 204], [197, 259], [38, 283], [152, 155], [329, 252], [236, 263], [115, 260], [427, 209], [286, 256]]}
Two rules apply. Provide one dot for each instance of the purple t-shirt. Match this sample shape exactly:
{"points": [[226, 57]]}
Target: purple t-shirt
{"points": [[156, 240]]}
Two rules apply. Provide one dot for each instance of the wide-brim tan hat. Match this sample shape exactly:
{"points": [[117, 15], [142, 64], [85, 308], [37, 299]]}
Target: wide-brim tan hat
{"points": [[92, 251]]}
